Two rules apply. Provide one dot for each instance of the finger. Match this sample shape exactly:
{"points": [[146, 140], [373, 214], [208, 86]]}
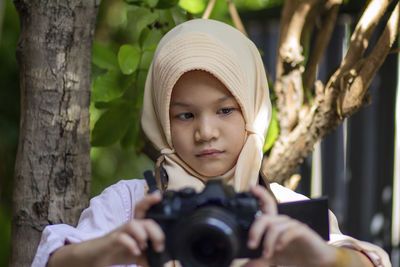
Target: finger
{"points": [[156, 235], [138, 232], [144, 205], [258, 229], [257, 263], [292, 234], [275, 231], [267, 202], [129, 243]]}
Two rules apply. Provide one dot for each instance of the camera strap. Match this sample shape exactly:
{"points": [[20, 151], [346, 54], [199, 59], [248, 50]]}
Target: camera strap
{"points": [[158, 181], [151, 181]]}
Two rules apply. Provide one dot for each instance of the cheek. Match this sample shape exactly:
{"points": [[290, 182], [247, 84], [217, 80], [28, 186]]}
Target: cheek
{"points": [[236, 133], [178, 138], [240, 130]]}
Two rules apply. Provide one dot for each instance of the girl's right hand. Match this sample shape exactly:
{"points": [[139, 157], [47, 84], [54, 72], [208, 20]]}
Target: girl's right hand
{"points": [[124, 245], [127, 244]]}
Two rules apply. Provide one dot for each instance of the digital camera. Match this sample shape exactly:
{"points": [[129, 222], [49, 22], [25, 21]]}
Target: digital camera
{"points": [[209, 228]]}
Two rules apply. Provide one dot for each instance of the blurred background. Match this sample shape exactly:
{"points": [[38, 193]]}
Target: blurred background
{"points": [[355, 166]]}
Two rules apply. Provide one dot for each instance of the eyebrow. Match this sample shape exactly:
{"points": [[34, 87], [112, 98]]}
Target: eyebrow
{"points": [[219, 100]]}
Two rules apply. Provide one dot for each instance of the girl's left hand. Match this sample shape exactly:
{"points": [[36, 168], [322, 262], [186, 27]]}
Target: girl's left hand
{"points": [[286, 240]]}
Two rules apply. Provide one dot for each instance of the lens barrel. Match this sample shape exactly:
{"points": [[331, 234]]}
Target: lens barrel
{"points": [[209, 237]]}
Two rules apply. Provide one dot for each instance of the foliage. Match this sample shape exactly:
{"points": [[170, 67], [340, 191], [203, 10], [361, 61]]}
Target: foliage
{"points": [[117, 87]]}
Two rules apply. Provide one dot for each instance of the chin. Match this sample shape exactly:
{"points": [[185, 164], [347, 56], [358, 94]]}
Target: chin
{"points": [[212, 174]]}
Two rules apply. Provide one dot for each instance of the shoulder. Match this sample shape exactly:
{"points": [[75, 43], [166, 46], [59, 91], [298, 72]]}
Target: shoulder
{"points": [[121, 197], [132, 186], [131, 191], [283, 194]]}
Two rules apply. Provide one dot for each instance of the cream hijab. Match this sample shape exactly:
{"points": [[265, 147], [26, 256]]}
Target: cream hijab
{"points": [[231, 57]]}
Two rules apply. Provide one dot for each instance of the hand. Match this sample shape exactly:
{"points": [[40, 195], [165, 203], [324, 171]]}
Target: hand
{"points": [[124, 245], [127, 243], [286, 241]]}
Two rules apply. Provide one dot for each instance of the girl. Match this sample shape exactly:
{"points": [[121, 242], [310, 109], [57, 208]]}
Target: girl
{"points": [[206, 109]]}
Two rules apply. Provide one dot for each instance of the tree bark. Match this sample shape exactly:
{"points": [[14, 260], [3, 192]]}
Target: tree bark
{"points": [[52, 172], [342, 96]]}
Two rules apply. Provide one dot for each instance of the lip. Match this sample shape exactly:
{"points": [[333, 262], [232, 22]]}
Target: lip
{"points": [[209, 153]]}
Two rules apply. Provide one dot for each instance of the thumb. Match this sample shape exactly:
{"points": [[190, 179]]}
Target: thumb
{"points": [[267, 202], [146, 203]]}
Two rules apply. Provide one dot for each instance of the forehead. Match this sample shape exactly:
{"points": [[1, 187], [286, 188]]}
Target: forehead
{"points": [[198, 83]]}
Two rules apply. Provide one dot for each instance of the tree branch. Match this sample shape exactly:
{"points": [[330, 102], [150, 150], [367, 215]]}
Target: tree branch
{"points": [[353, 98], [351, 80], [288, 86], [360, 38], [321, 43], [235, 17], [210, 7]]}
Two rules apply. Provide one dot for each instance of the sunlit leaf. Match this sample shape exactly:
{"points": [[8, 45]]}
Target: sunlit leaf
{"points": [[104, 57], [273, 131], [128, 59], [193, 6], [112, 125]]}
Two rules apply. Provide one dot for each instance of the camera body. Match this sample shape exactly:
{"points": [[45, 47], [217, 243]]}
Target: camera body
{"points": [[209, 228]]}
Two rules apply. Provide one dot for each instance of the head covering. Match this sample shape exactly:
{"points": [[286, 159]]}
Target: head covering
{"points": [[223, 51]]}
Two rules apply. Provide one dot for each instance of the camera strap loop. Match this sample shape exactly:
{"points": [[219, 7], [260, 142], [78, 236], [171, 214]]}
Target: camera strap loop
{"points": [[161, 175]]}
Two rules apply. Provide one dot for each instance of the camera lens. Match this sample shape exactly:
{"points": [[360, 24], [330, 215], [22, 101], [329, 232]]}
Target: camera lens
{"points": [[208, 238], [209, 247]]}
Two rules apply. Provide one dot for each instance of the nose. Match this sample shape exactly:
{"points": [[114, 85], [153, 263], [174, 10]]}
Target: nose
{"points": [[206, 130]]}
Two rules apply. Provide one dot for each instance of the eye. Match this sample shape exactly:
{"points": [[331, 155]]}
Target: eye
{"points": [[184, 116], [225, 111]]}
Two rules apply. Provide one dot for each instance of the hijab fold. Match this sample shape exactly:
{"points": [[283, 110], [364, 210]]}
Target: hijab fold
{"points": [[231, 57]]}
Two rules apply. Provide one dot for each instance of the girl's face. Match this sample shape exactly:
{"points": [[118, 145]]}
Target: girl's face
{"points": [[207, 125]]}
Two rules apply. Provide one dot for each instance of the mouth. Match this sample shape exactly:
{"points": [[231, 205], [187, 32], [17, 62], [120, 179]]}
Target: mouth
{"points": [[209, 153]]}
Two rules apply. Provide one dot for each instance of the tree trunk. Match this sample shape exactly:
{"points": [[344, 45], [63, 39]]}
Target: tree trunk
{"points": [[52, 172]]}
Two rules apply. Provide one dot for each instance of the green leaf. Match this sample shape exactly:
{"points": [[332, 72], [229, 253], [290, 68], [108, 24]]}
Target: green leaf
{"points": [[138, 19], [112, 125], [109, 104], [164, 4], [149, 39], [128, 59], [140, 84], [273, 131], [147, 57], [193, 6], [108, 86], [104, 57], [143, 3], [134, 2], [132, 134], [152, 3], [168, 19]]}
